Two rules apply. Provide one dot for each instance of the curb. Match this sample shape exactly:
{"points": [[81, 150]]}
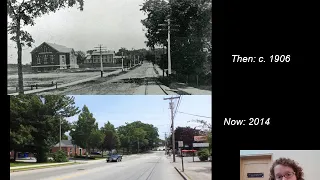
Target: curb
{"points": [[39, 167], [181, 174]]}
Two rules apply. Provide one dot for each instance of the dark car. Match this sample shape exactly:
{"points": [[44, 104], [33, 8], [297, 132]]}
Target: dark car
{"points": [[114, 158]]}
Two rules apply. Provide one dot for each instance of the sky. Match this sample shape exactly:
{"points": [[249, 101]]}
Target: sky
{"points": [[112, 23], [151, 109]]}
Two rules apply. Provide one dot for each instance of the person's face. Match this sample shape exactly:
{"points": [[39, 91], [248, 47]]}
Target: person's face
{"points": [[284, 172]]}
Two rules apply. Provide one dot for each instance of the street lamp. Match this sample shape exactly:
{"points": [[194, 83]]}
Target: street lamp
{"points": [[60, 135]]}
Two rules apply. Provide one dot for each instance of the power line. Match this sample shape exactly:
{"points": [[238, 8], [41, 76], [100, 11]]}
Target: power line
{"points": [[178, 104], [194, 115]]}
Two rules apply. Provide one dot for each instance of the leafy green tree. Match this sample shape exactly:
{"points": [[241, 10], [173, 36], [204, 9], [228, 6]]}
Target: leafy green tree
{"points": [[42, 115], [206, 129], [64, 137], [20, 130], [111, 138], [84, 128], [26, 12], [95, 139]]}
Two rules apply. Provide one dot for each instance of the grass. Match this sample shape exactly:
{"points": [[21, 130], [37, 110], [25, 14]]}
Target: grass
{"points": [[42, 167], [15, 164]]}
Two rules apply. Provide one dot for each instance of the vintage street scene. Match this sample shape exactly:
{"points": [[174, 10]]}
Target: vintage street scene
{"points": [[105, 47], [86, 137]]}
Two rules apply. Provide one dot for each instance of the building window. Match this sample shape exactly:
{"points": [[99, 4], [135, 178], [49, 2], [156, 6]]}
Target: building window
{"points": [[38, 59], [52, 58], [45, 59], [44, 49]]}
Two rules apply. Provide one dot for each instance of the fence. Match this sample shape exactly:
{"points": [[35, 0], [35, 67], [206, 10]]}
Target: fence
{"points": [[36, 86]]}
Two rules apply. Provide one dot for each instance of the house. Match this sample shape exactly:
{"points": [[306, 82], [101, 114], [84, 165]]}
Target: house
{"points": [[69, 148], [94, 57], [258, 162], [49, 56]]}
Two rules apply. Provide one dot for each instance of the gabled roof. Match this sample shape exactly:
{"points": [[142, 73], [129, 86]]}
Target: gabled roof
{"points": [[59, 48], [102, 52], [65, 143]]}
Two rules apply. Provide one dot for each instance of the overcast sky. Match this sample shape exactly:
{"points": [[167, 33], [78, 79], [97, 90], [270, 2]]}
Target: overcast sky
{"points": [[151, 109], [113, 23]]}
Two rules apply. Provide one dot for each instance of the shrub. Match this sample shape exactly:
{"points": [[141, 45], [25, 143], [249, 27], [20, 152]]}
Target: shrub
{"points": [[60, 156], [84, 157], [203, 154]]}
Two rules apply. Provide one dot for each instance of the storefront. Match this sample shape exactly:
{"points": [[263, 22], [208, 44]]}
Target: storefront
{"points": [[255, 164]]}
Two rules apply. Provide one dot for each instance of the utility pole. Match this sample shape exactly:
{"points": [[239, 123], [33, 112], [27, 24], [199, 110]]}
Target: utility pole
{"points": [[169, 29], [122, 60], [165, 142], [169, 54], [138, 146], [101, 64], [171, 106], [60, 135]]}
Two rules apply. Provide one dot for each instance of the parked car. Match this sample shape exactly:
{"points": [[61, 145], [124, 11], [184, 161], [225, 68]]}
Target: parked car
{"points": [[114, 158]]}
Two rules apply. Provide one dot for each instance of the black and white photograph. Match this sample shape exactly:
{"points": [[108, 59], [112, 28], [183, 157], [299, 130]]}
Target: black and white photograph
{"points": [[102, 47]]}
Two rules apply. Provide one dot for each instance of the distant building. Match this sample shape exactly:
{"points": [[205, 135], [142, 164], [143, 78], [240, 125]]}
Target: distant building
{"points": [[94, 58], [69, 148], [49, 56]]}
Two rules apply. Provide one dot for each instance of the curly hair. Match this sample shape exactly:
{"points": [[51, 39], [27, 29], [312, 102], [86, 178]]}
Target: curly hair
{"points": [[290, 163]]}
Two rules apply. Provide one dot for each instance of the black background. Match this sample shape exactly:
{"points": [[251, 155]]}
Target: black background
{"points": [[287, 93]]}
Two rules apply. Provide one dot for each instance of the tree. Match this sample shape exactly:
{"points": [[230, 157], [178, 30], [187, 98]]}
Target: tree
{"points": [[206, 129], [95, 140], [137, 132], [20, 131], [25, 12], [185, 134], [83, 128], [42, 115], [111, 139], [64, 137], [192, 20], [81, 56]]}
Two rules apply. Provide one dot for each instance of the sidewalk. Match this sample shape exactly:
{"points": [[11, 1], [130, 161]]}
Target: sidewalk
{"points": [[186, 89], [193, 170], [70, 84]]}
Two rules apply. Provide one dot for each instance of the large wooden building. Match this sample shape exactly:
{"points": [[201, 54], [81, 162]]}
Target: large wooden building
{"points": [[108, 57], [49, 56]]}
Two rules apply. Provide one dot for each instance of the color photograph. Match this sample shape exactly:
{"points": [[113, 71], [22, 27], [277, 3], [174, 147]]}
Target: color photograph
{"points": [[279, 164]]}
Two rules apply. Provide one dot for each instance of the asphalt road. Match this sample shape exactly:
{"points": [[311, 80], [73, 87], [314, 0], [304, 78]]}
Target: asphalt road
{"points": [[151, 166], [132, 82]]}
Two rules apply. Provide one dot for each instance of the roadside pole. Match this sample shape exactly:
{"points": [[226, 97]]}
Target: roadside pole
{"points": [[101, 64], [60, 135], [182, 161], [122, 60], [171, 106]]}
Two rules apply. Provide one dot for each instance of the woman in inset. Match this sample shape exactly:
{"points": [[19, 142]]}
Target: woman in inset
{"points": [[285, 168]]}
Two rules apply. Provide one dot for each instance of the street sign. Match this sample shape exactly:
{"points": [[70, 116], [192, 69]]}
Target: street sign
{"points": [[200, 144], [180, 143], [200, 138]]}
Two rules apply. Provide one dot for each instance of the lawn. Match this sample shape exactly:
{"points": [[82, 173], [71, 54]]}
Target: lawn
{"points": [[49, 77], [15, 164]]}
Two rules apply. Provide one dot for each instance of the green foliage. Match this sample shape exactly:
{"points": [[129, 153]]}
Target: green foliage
{"points": [[34, 124], [84, 128], [60, 156], [203, 154], [84, 157]]}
